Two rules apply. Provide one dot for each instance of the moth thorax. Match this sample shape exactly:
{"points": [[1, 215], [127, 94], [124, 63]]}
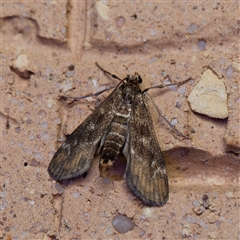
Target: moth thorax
{"points": [[136, 78]]}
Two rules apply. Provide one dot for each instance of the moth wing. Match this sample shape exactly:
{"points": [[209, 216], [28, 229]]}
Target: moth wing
{"points": [[75, 156], [145, 172]]}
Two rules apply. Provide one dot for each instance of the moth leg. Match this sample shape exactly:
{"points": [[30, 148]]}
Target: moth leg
{"points": [[106, 72], [160, 113]]}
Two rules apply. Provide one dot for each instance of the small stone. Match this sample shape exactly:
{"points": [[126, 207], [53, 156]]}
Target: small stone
{"points": [[102, 9], [44, 124], [20, 65], [196, 203], [69, 73], [42, 113], [212, 217], [199, 210], [209, 96], [3, 194], [205, 54], [57, 120], [205, 201], [181, 90], [17, 129], [120, 21], [174, 121], [212, 235], [229, 72], [87, 45], [192, 28], [185, 232], [76, 194], [148, 211], [108, 231], [94, 82], [67, 85], [59, 188], [191, 219], [21, 62], [222, 61], [229, 195], [202, 45], [34, 163], [50, 103], [142, 232], [122, 224]]}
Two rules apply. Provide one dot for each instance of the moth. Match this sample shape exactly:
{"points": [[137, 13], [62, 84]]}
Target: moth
{"points": [[120, 124]]}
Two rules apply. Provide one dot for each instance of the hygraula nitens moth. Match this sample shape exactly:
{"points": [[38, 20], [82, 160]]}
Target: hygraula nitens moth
{"points": [[121, 123]]}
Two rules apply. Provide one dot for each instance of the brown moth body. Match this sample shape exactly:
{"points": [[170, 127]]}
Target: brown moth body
{"points": [[122, 123]]}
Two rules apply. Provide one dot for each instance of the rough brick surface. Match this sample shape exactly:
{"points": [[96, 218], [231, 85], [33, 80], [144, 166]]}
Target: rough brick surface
{"points": [[60, 42]]}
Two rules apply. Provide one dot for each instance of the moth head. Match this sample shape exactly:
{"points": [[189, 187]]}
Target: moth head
{"points": [[135, 79]]}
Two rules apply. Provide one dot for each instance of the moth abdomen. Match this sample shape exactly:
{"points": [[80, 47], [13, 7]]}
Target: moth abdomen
{"points": [[116, 136]]}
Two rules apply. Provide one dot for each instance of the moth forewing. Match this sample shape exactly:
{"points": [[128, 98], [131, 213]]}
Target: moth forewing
{"points": [[75, 156], [146, 173]]}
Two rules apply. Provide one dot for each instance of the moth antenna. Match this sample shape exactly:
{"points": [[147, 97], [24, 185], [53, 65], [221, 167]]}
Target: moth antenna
{"points": [[99, 92], [106, 72]]}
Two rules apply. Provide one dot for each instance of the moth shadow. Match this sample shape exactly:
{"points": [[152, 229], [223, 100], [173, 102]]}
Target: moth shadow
{"points": [[190, 166]]}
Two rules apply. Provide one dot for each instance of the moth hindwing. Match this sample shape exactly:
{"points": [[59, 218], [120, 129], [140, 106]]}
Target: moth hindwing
{"points": [[122, 123]]}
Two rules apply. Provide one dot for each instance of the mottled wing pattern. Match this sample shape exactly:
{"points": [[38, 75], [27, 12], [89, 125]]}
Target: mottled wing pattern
{"points": [[75, 156], [146, 172]]}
